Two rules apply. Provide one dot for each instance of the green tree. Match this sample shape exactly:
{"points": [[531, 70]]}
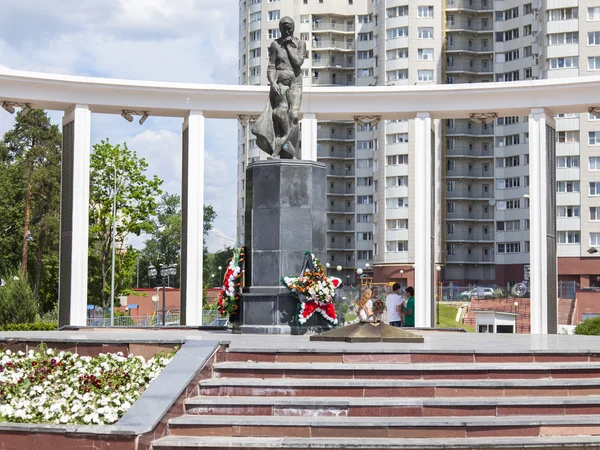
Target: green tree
{"points": [[117, 171], [17, 304], [30, 156], [212, 276]]}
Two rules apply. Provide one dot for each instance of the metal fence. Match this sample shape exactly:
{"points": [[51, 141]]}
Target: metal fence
{"points": [[455, 293], [172, 319]]}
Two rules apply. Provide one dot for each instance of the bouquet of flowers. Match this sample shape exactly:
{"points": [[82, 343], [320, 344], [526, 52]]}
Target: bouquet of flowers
{"points": [[378, 305], [232, 282], [315, 290]]}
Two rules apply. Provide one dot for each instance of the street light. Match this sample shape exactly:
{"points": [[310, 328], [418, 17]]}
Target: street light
{"points": [[165, 271], [437, 269], [114, 234], [220, 276]]}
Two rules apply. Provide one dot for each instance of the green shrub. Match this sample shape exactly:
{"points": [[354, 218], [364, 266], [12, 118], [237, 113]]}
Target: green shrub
{"points": [[17, 303], [589, 327], [38, 326]]}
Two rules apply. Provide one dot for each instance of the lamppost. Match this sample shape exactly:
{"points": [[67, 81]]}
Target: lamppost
{"points": [[165, 273], [437, 269], [220, 280], [114, 234]]}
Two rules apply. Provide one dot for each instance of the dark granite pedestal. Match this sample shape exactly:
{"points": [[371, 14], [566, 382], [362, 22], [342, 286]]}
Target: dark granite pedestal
{"points": [[286, 216]]}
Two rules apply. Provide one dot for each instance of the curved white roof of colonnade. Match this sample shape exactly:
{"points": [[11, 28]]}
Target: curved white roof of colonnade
{"points": [[107, 95]]}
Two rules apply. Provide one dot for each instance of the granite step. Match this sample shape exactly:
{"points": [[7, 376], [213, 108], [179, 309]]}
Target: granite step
{"points": [[326, 387], [412, 357], [237, 443], [432, 371], [392, 407], [385, 427]]}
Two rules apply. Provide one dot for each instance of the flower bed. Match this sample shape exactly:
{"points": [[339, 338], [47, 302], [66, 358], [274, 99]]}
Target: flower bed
{"points": [[65, 388]]}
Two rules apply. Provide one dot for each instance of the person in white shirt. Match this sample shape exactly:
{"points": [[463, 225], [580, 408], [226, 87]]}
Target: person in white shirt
{"points": [[392, 305]]}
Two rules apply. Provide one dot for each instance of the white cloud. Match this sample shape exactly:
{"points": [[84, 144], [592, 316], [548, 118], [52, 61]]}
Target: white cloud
{"points": [[161, 40]]}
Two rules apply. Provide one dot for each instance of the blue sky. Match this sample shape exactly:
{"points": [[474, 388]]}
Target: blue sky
{"points": [[159, 40]]}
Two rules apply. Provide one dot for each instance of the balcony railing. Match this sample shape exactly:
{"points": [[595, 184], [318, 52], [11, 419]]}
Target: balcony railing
{"points": [[319, 63], [473, 5], [340, 172], [333, 26], [341, 191], [333, 44], [340, 227], [341, 209], [341, 246], [471, 68], [466, 193], [463, 215], [466, 236], [473, 130], [328, 135], [470, 26], [473, 257], [337, 154], [461, 46], [466, 151], [474, 173]]}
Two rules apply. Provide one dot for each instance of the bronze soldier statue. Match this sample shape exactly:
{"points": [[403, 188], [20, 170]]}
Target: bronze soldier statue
{"points": [[277, 130]]}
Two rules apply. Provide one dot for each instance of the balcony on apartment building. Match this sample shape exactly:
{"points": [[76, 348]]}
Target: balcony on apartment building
{"points": [[341, 209], [332, 44], [470, 258], [467, 46], [339, 262], [470, 5], [341, 246], [473, 193], [466, 150], [335, 135], [465, 172], [340, 227], [472, 67], [472, 25], [333, 80], [338, 153], [335, 63], [470, 129], [465, 215], [319, 25], [340, 190], [339, 172], [465, 236]]}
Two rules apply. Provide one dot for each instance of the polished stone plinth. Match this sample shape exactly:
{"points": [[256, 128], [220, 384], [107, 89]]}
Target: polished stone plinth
{"points": [[368, 332], [286, 216]]}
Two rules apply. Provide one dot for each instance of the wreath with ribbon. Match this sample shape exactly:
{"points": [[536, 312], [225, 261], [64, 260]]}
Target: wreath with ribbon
{"points": [[229, 297], [315, 290]]}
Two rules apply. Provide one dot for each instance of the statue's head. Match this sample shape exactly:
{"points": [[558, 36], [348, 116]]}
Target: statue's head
{"points": [[286, 26]]}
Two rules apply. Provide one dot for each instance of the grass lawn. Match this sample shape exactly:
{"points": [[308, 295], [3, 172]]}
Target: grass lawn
{"points": [[447, 316]]}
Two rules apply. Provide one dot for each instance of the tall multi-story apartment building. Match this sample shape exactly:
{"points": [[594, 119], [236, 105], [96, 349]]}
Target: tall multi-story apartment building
{"points": [[482, 202]]}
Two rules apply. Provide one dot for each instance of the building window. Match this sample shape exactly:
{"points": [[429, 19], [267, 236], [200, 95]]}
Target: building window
{"points": [[396, 246], [305, 18], [425, 11], [394, 33], [397, 53], [400, 74], [397, 11], [564, 63], [595, 188], [255, 17], [364, 236], [509, 247], [593, 13], [396, 181], [363, 37], [594, 138], [567, 161], [394, 160], [425, 54], [562, 14], [364, 199], [396, 224], [568, 136], [274, 33], [594, 63], [364, 73], [396, 202], [595, 239], [568, 237], [594, 213], [364, 254], [563, 38], [567, 186], [568, 211], [425, 33], [594, 162], [366, 54], [425, 75]]}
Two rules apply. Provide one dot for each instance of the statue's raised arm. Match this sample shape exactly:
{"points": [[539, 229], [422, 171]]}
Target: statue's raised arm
{"points": [[277, 130]]}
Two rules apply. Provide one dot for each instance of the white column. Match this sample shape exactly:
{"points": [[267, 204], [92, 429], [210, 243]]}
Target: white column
{"points": [[309, 137], [74, 220], [422, 220], [192, 209], [538, 218]]}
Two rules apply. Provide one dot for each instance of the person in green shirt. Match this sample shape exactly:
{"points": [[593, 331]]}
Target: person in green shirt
{"points": [[409, 315]]}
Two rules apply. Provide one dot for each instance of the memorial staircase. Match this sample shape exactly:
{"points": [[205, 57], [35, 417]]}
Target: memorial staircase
{"points": [[425, 400]]}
